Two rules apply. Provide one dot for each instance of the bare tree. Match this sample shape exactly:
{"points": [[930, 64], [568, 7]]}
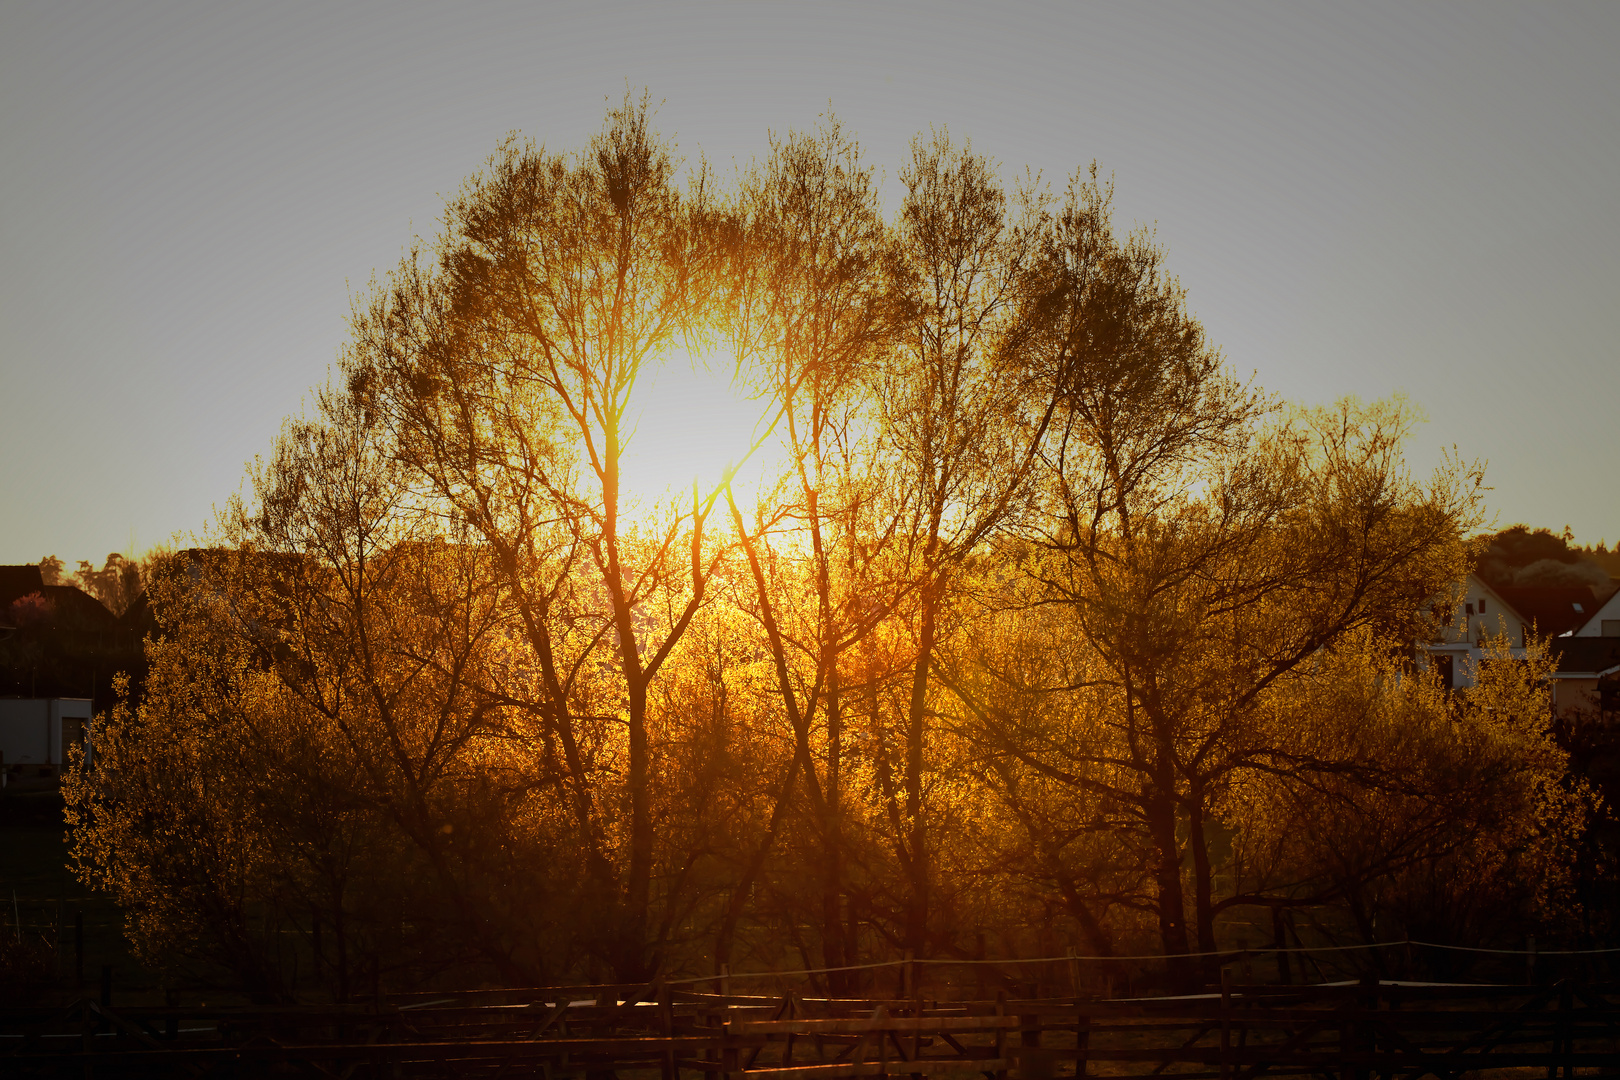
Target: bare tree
{"points": [[813, 320], [509, 374], [1202, 555], [964, 419]]}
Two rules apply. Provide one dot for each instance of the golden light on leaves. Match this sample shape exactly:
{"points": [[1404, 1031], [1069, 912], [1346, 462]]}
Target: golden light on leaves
{"points": [[1009, 643]]}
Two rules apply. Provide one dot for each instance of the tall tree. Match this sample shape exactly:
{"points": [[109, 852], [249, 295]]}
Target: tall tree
{"points": [[511, 374], [963, 419], [809, 311], [1203, 555], [309, 713], [116, 584]]}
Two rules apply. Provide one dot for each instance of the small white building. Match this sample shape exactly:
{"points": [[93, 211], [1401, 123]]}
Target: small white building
{"points": [[1586, 677], [35, 732], [1467, 619]]}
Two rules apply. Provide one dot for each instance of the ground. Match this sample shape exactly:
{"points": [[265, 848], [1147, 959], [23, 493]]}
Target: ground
{"points": [[40, 902]]}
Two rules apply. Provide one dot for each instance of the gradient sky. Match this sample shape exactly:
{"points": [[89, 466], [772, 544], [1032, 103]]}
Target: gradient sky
{"points": [[1359, 199]]}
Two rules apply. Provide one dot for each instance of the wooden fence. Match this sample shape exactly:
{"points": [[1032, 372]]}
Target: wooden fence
{"points": [[1346, 1031]]}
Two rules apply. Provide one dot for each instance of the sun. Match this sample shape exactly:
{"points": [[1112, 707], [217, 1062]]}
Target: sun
{"points": [[692, 420]]}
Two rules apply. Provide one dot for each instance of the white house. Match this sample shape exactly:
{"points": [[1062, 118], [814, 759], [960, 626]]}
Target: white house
{"points": [[1582, 636], [1605, 621], [1475, 613], [1589, 666]]}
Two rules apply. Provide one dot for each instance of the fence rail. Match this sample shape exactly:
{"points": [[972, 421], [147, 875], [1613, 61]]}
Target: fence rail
{"points": [[1348, 1031]]}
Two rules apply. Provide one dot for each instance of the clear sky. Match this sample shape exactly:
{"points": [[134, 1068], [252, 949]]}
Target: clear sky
{"points": [[1359, 199]]}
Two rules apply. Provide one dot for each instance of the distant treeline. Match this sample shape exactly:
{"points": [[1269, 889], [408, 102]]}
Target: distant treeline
{"points": [[72, 635]]}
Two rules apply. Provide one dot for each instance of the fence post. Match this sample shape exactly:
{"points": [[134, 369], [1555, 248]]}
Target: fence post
{"points": [[1357, 1038], [728, 1052], [714, 1018], [1226, 1022], [1074, 974], [1530, 959], [1033, 1062], [1082, 1043], [1001, 1035], [728, 1049], [908, 977], [666, 1021], [914, 976], [1564, 1042], [978, 968], [1347, 1039], [883, 1044]]}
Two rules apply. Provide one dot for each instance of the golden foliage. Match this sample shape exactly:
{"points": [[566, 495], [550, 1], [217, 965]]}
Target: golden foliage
{"points": [[1047, 622]]}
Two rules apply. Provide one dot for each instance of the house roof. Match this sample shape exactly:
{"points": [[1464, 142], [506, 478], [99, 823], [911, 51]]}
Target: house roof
{"points": [[1585, 655], [78, 610], [19, 581], [1555, 609]]}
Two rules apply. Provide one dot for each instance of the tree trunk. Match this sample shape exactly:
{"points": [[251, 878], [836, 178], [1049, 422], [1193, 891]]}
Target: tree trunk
{"points": [[1161, 814], [832, 832], [739, 893], [1203, 885], [1279, 941], [916, 843], [631, 960]]}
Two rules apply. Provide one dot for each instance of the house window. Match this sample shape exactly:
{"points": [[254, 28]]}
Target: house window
{"points": [[1468, 609], [1578, 609], [1611, 627], [1482, 605]]}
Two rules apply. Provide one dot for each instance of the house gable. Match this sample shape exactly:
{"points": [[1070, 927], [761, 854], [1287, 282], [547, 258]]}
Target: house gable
{"points": [[1605, 621], [1480, 612]]}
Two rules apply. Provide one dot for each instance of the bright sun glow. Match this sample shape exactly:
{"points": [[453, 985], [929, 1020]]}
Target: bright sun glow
{"points": [[692, 421]]}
